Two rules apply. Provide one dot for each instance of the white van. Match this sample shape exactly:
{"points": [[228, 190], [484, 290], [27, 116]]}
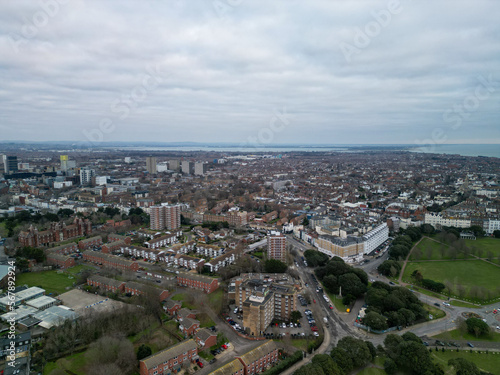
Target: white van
{"points": [[236, 311]]}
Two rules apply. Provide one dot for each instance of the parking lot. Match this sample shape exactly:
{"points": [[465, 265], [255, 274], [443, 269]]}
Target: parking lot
{"points": [[84, 302], [307, 326]]}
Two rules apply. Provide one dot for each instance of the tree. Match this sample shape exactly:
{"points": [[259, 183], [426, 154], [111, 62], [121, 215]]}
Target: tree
{"points": [[295, 316], [275, 266], [327, 364], [496, 233], [375, 321], [331, 284], [464, 367], [112, 351], [356, 349], [351, 284], [477, 327], [143, 352], [390, 366], [410, 336]]}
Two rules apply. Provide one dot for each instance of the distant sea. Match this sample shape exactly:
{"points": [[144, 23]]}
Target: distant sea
{"points": [[464, 150]]}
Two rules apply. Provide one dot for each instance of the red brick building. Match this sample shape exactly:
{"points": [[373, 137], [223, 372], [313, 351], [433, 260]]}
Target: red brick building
{"points": [[60, 260], [171, 307], [110, 261], [189, 326], [116, 237], [66, 249], [205, 338], [57, 232], [111, 247], [200, 282], [260, 358], [106, 284], [136, 289], [90, 242], [170, 360], [253, 362]]}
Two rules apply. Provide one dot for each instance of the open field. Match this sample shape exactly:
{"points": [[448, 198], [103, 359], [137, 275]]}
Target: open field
{"points": [[457, 335], [485, 244], [468, 273], [430, 250], [51, 281], [487, 362]]}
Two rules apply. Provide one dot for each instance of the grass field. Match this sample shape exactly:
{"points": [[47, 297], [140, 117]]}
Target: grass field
{"points": [[436, 313], [468, 273], [372, 371], [457, 335], [74, 364], [487, 362], [51, 281], [430, 250], [463, 304], [215, 298], [486, 244], [184, 299], [3, 231]]}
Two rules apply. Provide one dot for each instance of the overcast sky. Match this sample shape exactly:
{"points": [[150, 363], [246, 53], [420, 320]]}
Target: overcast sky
{"points": [[318, 72]]}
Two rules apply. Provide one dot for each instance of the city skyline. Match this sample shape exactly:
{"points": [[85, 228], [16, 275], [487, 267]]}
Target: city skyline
{"points": [[250, 73]]}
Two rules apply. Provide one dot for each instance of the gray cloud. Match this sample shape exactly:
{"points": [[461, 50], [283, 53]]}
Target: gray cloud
{"points": [[220, 77]]}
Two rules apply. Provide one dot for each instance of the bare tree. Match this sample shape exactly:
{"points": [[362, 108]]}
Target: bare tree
{"points": [[448, 287]]}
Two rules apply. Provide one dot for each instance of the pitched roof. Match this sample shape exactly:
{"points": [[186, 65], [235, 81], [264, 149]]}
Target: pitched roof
{"points": [[170, 304], [204, 334], [105, 280], [196, 277], [188, 322], [169, 353], [258, 352], [229, 368]]}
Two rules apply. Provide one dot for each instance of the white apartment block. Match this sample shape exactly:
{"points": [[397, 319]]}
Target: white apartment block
{"points": [[375, 238], [491, 225], [438, 221]]}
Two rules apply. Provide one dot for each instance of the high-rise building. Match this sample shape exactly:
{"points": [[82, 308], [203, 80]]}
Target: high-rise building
{"points": [[200, 168], [151, 164], [10, 164], [165, 217], [64, 162], [174, 165], [276, 246], [86, 175], [187, 167], [264, 299]]}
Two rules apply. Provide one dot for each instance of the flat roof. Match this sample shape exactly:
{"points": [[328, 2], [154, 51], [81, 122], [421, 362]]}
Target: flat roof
{"points": [[54, 316], [40, 302]]}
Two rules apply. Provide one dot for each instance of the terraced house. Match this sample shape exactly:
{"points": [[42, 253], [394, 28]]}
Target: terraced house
{"points": [[260, 358], [110, 261], [195, 281], [169, 361]]}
